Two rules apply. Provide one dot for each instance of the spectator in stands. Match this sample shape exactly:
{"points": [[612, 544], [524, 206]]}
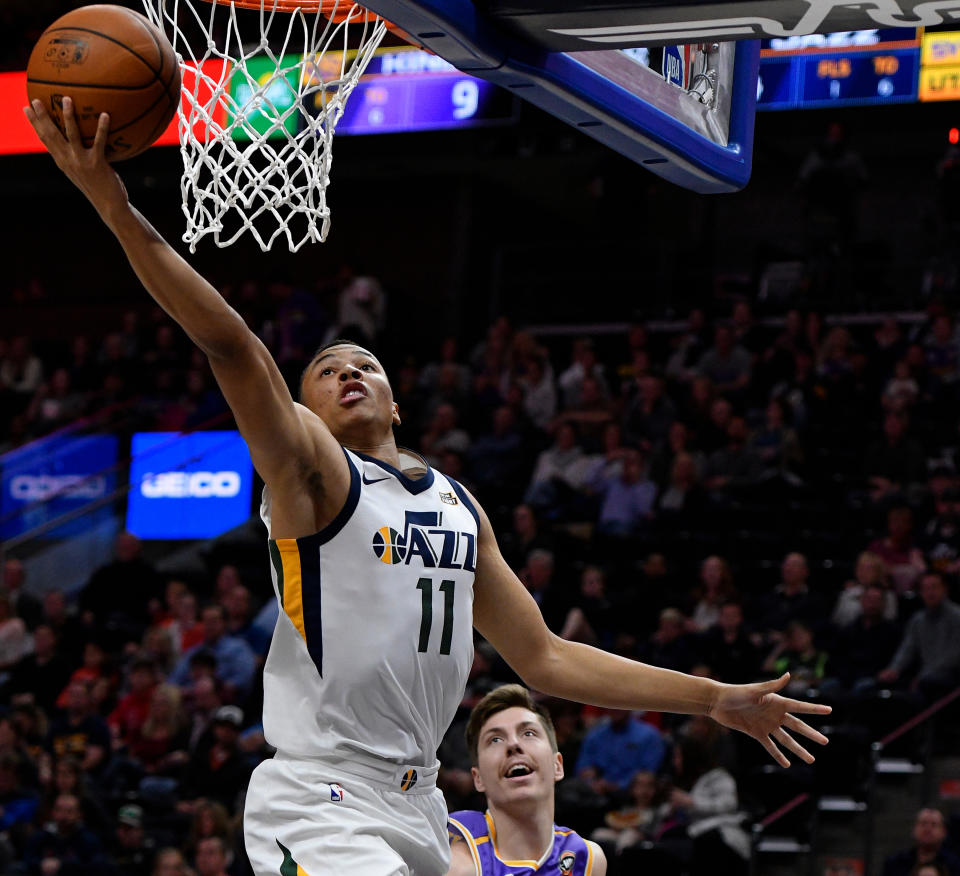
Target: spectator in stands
{"points": [[15, 641], [727, 648], [538, 576], [688, 348], [928, 658], [704, 807], [929, 836], [131, 710], [209, 818], [59, 615], [942, 355], [637, 821], [221, 772], [864, 646], [895, 463], [591, 413], [558, 476], [238, 603], [443, 433], [592, 619], [20, 374], [236, 662], [714, 590], [776, 443], [941, 536], [539, 391], [670, 645], [66, 845], [429, 376], [627, 501], [870, 571], [202, 702], [18, 802], [733, 467], [116, 597], [170, 862], [496, 458], [797, 654], [747, 332], [66, 776], [682, 500], [791, 599], [583, 364], [902, 390], [25, 605], [132, 851], [40, 676], [159, 745], [182, 622], [80, 732], [526, 534], [615, 749], [904, 560], [649, 414], [55, 403], [680, 439], [727, 364], [212, 858]]}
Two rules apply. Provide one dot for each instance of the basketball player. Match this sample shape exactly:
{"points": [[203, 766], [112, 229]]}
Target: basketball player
{"points": [[516, 764], [382, 566]]}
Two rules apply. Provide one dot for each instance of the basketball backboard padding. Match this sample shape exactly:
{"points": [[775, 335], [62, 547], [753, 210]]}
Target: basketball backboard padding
{"points": [[564, 86], [597, 24]]}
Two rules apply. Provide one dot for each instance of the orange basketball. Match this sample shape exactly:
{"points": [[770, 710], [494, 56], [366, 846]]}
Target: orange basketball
{"points": [[109, 59]]}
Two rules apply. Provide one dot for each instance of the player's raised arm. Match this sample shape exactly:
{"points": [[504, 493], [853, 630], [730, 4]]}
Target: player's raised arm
{"points": [[281, 436], [506, 616]]}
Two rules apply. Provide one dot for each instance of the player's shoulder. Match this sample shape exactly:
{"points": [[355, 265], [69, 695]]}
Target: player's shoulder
{"points": [[599, 859]]}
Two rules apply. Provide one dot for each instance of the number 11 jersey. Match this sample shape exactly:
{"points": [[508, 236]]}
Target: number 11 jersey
{"points": [[374, 642]]}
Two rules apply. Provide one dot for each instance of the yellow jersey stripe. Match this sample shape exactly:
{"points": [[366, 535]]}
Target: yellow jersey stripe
{"points": [[292, 584], [472, 843]]}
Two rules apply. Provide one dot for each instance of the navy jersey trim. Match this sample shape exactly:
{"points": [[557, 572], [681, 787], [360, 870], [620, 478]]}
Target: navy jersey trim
{"points": [[415, 486], [462, 493], [338, 522]]}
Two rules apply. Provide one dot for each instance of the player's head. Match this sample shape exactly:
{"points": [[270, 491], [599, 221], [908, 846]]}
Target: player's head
{"points": [[346, 386], [513, 747]]}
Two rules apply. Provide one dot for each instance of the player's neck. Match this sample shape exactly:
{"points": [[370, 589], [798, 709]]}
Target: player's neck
{"points": [[524, 830], [386, 450]]}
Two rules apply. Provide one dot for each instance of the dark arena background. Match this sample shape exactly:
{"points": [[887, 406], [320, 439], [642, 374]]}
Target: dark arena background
{"points": [[717, 433]]}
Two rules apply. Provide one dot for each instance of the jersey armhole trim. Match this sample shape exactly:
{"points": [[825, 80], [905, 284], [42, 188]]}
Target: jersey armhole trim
{"points": [[462, 493], [470, 840], [345, 513]]}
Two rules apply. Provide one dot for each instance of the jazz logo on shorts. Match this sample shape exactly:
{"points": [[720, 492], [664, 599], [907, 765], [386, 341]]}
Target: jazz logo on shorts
{"points": [[566, 863], [336, 793], [409, 780]]}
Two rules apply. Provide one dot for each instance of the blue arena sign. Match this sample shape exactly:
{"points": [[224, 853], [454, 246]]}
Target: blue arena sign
{"points": [[188, 486]]}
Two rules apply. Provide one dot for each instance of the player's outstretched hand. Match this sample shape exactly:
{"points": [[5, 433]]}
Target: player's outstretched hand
{"points": [[759, 711], [87, 169]]}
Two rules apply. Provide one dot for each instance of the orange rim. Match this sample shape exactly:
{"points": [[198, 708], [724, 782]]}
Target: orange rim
{"points": [[327, 8]]}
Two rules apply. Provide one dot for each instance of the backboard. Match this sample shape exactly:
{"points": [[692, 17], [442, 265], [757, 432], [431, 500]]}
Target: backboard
{"points": [[684, 112]]}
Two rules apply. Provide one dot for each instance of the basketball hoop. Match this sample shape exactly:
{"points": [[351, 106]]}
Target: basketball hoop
{"points": [[264, 84]]}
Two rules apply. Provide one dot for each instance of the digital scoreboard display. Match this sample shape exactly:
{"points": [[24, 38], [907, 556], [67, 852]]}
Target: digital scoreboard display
{"points": [[864, 67]]}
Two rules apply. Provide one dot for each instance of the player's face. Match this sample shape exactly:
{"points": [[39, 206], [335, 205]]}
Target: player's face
{"points": [[515, 761], [348, 389]]}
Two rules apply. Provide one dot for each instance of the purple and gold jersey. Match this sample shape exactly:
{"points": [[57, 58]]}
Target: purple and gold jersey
{"points": [[568, 855]]}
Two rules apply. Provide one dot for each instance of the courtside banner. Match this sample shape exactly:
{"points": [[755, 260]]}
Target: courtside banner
{"points": [[52, 477], [188, 486]]}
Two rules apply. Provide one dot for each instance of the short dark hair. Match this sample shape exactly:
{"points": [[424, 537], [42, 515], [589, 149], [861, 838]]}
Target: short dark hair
{"points": [[500, 698], [336, 342]]}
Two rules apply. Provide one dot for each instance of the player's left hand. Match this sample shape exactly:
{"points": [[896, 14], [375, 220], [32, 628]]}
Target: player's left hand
{"points": [[759, 711]]}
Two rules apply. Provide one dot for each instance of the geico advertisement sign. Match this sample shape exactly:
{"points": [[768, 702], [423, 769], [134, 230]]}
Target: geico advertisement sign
{"points": [[40, 487], [191, 485]]}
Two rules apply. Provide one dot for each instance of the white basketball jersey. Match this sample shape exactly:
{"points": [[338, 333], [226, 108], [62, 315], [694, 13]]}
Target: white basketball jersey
{"points": [[374, 642]]}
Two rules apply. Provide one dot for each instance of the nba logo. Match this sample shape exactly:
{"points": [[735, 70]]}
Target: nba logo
{"points": [[336, 793]]}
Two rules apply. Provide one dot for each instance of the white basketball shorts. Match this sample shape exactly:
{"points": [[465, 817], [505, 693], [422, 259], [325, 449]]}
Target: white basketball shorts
{"points": [[309, 817]]}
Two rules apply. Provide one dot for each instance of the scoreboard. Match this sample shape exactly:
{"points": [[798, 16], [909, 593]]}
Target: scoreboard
{"points": [[898, 65]]}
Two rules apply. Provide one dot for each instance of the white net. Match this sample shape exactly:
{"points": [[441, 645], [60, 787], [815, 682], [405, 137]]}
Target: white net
{"points": [[263, 90]]}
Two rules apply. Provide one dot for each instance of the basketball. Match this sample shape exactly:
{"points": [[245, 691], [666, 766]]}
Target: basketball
{"points": [[108, 59]]}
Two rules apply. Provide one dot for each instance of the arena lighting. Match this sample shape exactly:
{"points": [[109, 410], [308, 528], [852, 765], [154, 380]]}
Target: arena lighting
{"points": [[953, 135]]}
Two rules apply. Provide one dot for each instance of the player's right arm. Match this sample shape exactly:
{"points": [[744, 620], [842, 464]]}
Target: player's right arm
{"points": [[461, 861], [286, 441]]}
